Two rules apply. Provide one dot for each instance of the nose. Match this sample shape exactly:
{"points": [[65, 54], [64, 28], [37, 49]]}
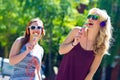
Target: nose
{"points": [[90, 19]]}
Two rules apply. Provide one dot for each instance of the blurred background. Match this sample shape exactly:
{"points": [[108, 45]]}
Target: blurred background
{"points": [[59, 17]]}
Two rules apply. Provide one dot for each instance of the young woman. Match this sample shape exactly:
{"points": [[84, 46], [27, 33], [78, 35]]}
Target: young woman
{"points": [[84, 48], [26, 54]]}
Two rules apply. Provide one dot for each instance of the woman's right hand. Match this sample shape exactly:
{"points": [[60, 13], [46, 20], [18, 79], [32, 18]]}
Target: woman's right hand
{"points": [[78, 36], [29, 46], [76, 40]]}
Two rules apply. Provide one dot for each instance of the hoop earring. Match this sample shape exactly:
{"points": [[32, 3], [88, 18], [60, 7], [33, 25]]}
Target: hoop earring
{"points": [[103, 23]]}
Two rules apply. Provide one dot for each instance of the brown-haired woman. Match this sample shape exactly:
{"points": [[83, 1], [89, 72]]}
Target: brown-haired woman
{"points": [[26, 54]]}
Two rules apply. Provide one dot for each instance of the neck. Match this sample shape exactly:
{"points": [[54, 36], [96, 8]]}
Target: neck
{"points": [[91, 37]]}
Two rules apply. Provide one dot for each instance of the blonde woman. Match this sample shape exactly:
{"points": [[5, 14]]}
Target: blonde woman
{"points": [[26, 54], [84, 48]]}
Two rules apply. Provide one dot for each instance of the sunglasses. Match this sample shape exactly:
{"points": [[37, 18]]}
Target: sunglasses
{"points": [[35, 27], [94, 17]]}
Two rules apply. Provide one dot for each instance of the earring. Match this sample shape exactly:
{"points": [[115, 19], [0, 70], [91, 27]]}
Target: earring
{"points": [[103, 23]]}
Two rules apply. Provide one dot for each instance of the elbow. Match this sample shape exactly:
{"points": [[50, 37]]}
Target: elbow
{"points": [[11, 62], [61, 51]]}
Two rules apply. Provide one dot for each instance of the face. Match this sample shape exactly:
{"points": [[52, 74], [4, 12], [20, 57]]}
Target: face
{"points": [[36, 29], [93, 21]]}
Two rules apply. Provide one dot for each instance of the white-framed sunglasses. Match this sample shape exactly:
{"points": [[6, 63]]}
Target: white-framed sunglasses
{"points": [[35, 27]]}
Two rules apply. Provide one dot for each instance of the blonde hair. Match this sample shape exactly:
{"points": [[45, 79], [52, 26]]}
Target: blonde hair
{"points": [[104, 36]]}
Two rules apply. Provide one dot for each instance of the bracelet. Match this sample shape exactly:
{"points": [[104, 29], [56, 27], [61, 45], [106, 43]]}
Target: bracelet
{"points": [[73, 44]]}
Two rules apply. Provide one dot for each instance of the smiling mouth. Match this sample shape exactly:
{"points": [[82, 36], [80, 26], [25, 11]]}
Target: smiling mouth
{"points": [[36, 32]]}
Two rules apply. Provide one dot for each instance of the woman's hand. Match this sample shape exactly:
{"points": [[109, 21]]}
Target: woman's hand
{"points": [[29, 46], [77, 37], [76, 40]]}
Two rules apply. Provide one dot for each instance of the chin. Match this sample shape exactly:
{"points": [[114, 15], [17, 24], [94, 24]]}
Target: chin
{"points": [[90, 26]]}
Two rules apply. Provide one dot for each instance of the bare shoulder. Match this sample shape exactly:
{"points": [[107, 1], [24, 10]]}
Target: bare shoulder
{"points": [[15, 46], [18, 41], [20, 38]]}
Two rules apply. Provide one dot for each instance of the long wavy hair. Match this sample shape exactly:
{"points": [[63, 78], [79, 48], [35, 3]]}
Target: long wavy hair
{"points": [[104, 37], [26, 36]]}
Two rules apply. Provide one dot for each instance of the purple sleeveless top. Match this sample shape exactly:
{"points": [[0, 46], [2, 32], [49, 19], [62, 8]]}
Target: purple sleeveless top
{"points": [[75, 64]]}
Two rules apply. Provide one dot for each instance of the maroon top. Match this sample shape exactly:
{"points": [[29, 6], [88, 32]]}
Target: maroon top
{"points": [[75, 64]]}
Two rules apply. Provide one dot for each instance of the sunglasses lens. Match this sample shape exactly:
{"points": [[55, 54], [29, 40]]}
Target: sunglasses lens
{"points": [[95, 17], [89, 16], [39, 27], [32, 27]]}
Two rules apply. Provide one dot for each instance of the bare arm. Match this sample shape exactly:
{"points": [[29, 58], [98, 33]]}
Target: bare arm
{"points": [[68, 44], [94, 67], [14, 57]]}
